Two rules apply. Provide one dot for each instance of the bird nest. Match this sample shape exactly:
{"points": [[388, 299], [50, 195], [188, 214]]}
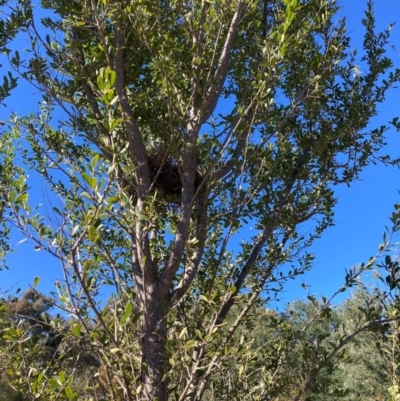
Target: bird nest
{"points": [[165, 176]]}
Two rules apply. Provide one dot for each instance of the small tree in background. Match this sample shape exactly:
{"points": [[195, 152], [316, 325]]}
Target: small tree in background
{"points": [[166, 129]]}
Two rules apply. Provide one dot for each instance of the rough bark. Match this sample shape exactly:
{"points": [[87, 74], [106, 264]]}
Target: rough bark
{"points": [[153, 351]]}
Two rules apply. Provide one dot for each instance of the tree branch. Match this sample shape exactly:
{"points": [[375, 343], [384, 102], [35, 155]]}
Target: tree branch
{"points": [[193, 266], [138, 156], [211, 97]]}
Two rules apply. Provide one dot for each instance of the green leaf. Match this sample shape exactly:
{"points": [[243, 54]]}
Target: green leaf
{"points": [[36, 281], [190, 344], [69, 393], [92, 233], [61, 377], [100, 82], [57, 211], [169, 346], [113, 199], [95, 160], [204, 298], [111, 77], [91, 181], [54, 383], [183, 332], [76, 330], [127, 313]]}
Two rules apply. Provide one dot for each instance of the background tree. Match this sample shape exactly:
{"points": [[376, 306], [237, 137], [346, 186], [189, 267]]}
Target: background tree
{"points": [[357, 370], [26, 329], [364, 375], [157, 176], [35, 341]]}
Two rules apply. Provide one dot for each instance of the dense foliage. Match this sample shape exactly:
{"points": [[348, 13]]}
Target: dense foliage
{"points": [[363, 370], [165, 129]]}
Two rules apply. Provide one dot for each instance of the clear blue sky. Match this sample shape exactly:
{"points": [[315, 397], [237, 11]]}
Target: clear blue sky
{"points": [[361, 214]]}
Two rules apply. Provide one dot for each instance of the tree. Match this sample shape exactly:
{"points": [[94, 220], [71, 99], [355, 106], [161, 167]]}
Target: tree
{"points": [[166, 128], [357, 370], [364, 376], [28, 315]]}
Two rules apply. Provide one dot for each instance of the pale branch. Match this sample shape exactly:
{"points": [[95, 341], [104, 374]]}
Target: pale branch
{"points": [[100, 30], [137, 271], [136, 146], [197, 40], [90, 299], [189, 169], [214, 91], [138, 155], [195, 261]]}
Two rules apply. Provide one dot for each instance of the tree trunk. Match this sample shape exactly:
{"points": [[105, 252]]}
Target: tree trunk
{"points": [[153, 351]]}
